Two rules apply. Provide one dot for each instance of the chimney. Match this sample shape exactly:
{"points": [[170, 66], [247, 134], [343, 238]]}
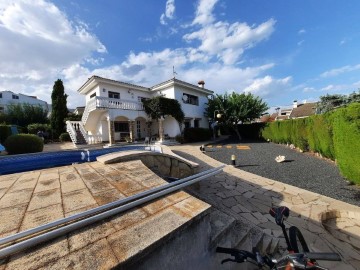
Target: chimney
{"points": [[295, 104], [201, 84]]}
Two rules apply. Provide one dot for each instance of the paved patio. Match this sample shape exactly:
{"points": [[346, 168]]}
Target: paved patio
{"points": [[327, 224], [30, 199], [33, 198]]}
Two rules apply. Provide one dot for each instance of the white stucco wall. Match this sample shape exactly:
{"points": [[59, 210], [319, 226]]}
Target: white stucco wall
{"points": [[7, 99]]}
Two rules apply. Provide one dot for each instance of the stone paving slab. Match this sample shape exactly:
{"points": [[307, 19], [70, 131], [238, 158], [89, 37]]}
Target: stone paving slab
{"points": [[328, 225], [31, 199]]}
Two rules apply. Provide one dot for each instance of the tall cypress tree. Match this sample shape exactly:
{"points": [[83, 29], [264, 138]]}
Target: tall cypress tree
{"points": [[59, 110]]}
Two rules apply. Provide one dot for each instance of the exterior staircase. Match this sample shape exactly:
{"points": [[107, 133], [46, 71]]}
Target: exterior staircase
{"points": [[80, 138]]}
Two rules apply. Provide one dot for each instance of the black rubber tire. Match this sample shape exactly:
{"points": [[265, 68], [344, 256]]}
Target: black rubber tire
{"points": [[297, 240]]}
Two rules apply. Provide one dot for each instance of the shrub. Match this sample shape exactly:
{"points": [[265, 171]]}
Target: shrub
{"points": [[23, 143], [251, 131], [64, 137], [320, 135], [5, 131], [347, 141], [34, 128], [179, 139], [197, 134]]}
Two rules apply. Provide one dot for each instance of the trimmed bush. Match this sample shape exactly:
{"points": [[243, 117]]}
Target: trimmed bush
{"points": [[347, 141], [5, 131], [251, 131], [320, 135], [23, 143], [179, 139], [197, 134], [335, 135], [64, 137], [34, 128]]}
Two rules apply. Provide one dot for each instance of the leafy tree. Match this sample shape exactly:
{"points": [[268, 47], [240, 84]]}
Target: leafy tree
{"points": [[158, 107], [235, 109], [59, 109], [331, 102], [25, 114]]}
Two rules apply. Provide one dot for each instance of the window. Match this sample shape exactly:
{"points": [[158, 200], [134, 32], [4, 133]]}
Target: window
{"points": [[0, 95], [190, 99], [121, 126], [196, 123], [93, 95], [187, 124], [141, 99], [15, 97], [114, 95]]}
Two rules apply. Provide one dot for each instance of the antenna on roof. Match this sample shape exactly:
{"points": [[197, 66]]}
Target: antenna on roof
{"points": [[174, 73]]}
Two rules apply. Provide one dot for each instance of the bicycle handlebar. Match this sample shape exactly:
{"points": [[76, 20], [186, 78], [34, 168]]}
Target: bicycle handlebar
{"points": [[240, 255], [323, 256]]}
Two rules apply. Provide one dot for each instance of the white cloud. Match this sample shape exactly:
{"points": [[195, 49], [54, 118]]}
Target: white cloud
{"points": [[228, 41], [37, 42], [268, 86], [337, 71], [204, 13], [301, 31], [169, 12], [46, 45]]}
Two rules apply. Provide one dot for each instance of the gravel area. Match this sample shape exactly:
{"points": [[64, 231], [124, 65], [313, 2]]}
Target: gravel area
{"points": [[302, 170]]}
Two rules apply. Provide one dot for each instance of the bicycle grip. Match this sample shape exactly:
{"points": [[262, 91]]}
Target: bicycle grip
{"points": [[224, 250], [323, 256]]}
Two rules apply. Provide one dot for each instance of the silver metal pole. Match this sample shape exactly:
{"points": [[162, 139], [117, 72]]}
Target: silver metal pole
{"points": [[99, 209], [82, 223]]}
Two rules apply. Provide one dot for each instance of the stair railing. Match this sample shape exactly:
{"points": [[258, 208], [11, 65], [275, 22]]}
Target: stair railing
{"points": [[72, 132]]}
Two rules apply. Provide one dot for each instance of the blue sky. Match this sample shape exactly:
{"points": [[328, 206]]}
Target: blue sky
{"points": [[279, 50]]}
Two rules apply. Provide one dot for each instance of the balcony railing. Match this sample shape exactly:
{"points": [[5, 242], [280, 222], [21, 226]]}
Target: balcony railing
{"points": [[110, 103]]}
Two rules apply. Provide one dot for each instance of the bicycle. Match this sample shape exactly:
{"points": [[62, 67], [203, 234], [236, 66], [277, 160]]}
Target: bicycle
{"points": [[298, 257]]}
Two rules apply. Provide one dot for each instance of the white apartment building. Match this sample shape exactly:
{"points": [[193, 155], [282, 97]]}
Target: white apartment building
{"points": [[9, 97]]}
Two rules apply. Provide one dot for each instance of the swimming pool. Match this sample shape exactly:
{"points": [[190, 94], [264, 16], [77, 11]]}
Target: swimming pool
{"points": [[35, 161]]}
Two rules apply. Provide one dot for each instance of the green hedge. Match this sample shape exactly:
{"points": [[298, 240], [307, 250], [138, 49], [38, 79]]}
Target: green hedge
{"points": [[5, 131], [346, 124], [23, 143], [64, 137], [335, 135], [34, 128], [197, 134]]}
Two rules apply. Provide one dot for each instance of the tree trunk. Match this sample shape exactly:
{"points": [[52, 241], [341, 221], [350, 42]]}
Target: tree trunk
{"points": [[237, 132]]}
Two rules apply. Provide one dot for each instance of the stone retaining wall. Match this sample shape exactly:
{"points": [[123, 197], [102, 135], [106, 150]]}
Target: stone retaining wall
{"points": [[163, 164]]}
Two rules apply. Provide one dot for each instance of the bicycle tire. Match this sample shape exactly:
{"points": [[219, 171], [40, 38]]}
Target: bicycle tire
{"points": [[297, 240]]}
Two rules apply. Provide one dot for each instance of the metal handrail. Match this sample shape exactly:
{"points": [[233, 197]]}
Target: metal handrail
{"points": [[88, 217]]}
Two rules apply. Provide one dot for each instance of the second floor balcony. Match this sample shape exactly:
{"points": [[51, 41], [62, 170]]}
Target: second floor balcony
{"points": [[113, 103]]}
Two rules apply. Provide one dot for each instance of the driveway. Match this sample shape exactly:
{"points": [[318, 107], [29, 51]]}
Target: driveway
{"points": [[303, 170]]}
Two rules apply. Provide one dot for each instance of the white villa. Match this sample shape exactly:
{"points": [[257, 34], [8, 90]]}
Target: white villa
{"points": [[8, 97], [114, 111]]}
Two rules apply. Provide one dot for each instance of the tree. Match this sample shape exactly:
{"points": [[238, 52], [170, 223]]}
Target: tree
{"points": [[25, 114], [331, 102], [235, 109], [59, 109], [158, 107]]}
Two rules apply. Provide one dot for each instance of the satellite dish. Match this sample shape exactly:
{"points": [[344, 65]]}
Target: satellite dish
{"points": [[185, 98]]}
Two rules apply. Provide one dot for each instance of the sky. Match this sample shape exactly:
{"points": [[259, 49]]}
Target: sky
{"points": [[278, 50]]}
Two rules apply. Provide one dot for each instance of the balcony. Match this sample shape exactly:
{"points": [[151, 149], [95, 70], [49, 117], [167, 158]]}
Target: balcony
{"points": [[110, 103]]}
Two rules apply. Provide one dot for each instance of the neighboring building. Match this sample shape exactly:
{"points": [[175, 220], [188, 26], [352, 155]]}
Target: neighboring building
{"points": [[79, 110], [303, 110], [114, 110], [8, 97], [297, 111]]}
